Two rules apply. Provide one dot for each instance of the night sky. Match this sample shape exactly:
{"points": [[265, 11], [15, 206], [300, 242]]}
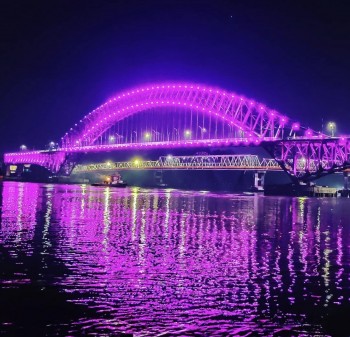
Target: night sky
{"points": [[60, 59]]}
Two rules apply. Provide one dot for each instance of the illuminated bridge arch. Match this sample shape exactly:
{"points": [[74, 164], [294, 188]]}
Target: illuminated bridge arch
{"points": [[303, 153], [253, 119]]}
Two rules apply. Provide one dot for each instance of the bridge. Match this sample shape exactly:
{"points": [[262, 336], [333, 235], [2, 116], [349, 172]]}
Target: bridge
{"points": [[196, 162], [188, 115]]}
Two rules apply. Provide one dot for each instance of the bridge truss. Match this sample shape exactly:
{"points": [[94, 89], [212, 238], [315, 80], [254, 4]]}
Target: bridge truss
{"points": [[197, 162], [310, 159]]}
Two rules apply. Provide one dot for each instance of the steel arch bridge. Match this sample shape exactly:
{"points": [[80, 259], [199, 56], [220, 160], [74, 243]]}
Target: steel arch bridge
{"points": [[180, 115]]}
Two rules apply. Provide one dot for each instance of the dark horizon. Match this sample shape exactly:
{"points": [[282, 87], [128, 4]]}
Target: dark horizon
{"points": [[61, 60]]}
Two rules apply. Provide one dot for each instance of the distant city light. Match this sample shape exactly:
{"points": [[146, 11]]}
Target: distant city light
{"points": [[23, 147], [147, 135], [111, 139]]}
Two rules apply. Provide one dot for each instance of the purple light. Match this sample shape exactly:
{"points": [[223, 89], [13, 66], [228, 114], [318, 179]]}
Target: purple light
{"points": [[308, 133], [296, 126], [133, 101]]}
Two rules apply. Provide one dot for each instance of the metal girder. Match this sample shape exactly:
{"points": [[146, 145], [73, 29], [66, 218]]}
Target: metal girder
{"points": [[245, 114], [310, 159], [197, 162], [51, 160]]}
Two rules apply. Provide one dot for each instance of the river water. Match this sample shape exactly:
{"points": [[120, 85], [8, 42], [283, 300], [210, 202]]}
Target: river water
{"points": [[81, 260]]}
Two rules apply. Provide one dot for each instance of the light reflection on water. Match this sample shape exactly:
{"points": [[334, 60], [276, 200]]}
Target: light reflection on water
{"points": [[167, 262]]}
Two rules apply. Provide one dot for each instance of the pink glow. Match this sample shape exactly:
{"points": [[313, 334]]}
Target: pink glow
{"points": [[309, 133], [296, 126], [134, 101]]}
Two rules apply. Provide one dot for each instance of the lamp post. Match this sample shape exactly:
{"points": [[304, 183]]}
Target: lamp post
{"points": [[119, 137], [203, 130], [135, 132], [147, 136], [156, 135], [23, 147], [187, 133], [176, 137], [331, 126]]}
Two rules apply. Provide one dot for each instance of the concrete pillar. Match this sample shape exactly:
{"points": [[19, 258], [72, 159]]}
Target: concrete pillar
{"points": [[259, 180], [346, 180], [14, 170], [158, 177], [8, 172]]}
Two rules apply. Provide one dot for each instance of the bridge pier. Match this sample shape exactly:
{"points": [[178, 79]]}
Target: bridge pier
{"points": [[259, 181], [14, 170], [345, 192], [159, 178], [346, 180]]}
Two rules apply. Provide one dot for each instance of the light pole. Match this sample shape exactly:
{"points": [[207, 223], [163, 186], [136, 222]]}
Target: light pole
{"points": [[187, 133], [135, 132], [119, 137], [176, 134], [331, 126], [156, 135], [147, 136], [203, 130]]}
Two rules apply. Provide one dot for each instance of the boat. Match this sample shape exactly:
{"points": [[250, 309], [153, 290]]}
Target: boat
{"points": [[248, 193], [112, 181], [162, 185]]}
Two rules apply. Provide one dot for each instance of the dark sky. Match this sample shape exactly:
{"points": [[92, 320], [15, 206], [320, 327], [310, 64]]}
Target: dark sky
{"points": [[59, 59]]}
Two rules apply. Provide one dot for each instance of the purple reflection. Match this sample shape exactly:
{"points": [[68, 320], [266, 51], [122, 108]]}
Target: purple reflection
{"points": [[183, 263]]}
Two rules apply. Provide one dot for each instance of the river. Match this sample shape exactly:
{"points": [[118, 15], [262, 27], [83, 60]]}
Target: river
{"points": [[81, 260]]}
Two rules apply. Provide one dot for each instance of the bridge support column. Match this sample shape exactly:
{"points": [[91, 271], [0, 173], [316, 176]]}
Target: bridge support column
{"points": [[159, 179], [346, 181], [14, 170], [259, 180]]}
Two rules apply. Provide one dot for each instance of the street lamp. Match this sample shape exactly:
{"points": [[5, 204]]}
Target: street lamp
{"points": [[111, 139], [147, 135], [119, 137], [135, 132], [52, 145], [331, 126], [187, 133], [176, 134], [203, 130], [23, 147], [156, 134]]}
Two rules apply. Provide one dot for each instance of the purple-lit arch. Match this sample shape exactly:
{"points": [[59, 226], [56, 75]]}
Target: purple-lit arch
{"points": [[238, 111], [303, 153]]}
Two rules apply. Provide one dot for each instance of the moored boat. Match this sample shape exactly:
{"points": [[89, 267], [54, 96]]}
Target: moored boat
{"points": [[112, 181]]}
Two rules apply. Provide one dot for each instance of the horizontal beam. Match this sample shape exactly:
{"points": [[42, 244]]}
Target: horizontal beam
{"points": [[201, 162]]}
